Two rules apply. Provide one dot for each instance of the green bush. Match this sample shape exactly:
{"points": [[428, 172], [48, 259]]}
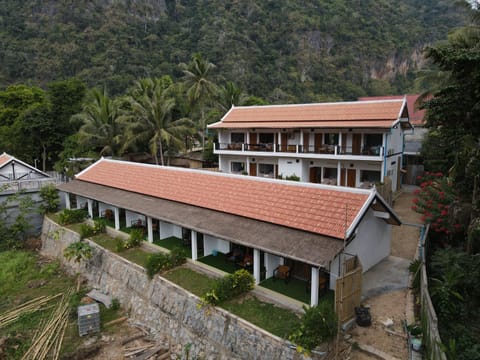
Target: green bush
{"points": [[99, 226], [415, 269], [85, 231], [50, 198], [160, 262], [69, 216], [135, 239], [229, 287], [318, 324], [119, 244], [78, 251]]}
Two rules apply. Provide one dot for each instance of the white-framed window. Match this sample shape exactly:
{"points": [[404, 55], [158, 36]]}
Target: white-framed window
{"points": [[266, 170], [266, 138], [330, 173], [237, 167], [370, 176]]}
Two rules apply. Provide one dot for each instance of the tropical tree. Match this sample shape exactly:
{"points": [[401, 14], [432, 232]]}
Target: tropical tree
{"points": [[200, 89], [101, 128], [151, 119], [231, 95]]}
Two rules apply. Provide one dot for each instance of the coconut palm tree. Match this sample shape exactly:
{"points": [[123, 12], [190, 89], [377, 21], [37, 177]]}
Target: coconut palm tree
{"points": [[150, 120], [200, 88], [101, 128]]}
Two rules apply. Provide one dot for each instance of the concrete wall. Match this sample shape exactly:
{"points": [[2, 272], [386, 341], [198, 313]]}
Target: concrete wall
{"points": [[289, 167], [211, 243], [170, 311], [168, 229], [371, 245]]}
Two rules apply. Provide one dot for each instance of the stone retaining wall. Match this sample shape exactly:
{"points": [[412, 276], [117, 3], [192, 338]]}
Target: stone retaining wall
{"points": [[170, 311]]}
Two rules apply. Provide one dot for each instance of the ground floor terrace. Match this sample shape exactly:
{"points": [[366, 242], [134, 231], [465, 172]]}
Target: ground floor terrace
{"points": [[286, 275]]}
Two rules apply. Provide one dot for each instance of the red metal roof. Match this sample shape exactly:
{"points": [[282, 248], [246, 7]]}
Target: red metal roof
{"points": [[363, 114], [314, 208], [416, 115], [4, 158]]}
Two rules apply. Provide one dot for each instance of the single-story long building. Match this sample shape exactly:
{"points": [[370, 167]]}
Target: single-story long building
{"points": [[301, 226]]}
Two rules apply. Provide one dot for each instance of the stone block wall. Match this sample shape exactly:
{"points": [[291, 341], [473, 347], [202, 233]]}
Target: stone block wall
{"points": [[168, 310]]}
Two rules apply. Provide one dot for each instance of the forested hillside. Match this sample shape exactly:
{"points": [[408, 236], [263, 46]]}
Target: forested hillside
{"points": [[280, 50]]}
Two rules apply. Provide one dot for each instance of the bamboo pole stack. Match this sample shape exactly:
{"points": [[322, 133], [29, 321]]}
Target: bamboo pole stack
{"points": [[49, 337]]}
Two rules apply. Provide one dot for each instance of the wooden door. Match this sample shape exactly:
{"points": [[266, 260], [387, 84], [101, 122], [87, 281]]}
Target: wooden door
{"points": [[318, 141], [283, 147], [351, 177], [356, 144], [342, 177], [306, 142], [253, 169], [315, 174], [253, 142]]}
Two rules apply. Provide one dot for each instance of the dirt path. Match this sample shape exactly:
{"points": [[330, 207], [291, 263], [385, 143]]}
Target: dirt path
{"points": [[391, 305]]}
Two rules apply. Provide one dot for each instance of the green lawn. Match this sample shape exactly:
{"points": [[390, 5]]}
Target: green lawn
{"points": [[278, 321], [219, 262], [190, 280], [136, 255], [172, 242], [295, 288]]}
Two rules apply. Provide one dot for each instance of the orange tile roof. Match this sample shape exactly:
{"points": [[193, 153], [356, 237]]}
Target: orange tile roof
{"points": [[306, 207], [4, 158], [366, 114], [416, 115]]}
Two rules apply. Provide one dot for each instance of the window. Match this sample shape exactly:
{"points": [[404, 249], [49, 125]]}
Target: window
{"points": [[370, 176], [266, 138], [331, 139], [237, 138], [265, 170], [237, 167], [330, 173]]}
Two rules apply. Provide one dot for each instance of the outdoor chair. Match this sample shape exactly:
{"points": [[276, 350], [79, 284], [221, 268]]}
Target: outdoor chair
{"points": [[282, 272], [234, 256]]}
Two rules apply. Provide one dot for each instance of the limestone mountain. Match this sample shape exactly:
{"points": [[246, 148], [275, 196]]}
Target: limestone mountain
{"points": [[281, 50]]}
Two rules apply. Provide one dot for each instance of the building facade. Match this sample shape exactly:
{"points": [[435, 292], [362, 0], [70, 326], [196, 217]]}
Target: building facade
{"points": [[354, 144]]}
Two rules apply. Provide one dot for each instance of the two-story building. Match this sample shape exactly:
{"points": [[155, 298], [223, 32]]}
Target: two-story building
{"points": [[355, 144]]}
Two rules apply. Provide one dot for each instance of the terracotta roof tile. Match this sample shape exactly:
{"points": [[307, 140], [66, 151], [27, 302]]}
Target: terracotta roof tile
{"points": [[367, 114], [305, 207], [417, 116]]}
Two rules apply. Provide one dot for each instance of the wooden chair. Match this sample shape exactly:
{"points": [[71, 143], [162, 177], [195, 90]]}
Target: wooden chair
{"points": [[282, 272]]}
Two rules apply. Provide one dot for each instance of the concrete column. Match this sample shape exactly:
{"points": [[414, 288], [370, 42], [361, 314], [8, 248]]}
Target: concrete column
{"points": [[314, 286], [67, 201], [116, 212], [150, 229], [256, 266], [90, 208], [194, 245], [339, 173]]}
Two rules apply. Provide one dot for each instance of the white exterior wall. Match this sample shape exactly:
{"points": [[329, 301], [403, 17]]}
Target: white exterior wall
{"points": [[133, 216], [211, 243], [81, 202], [371, 245], [395, 140], [289, 167], [271, 262], [168, 230]]}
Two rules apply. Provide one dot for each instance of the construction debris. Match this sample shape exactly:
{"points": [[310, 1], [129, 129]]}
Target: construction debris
{"points": [[98, 296]]}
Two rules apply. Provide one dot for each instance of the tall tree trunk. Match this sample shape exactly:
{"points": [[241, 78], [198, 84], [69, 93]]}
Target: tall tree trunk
{"points": [[44, 157], [161, 153]]}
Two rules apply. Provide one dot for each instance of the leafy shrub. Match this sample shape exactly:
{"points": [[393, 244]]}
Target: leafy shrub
{"points": [[318, 324], [415, 269], [229, 287], [160, 262], [292, 178], [119, 244], [50, 198], [78, 251], [98, 227], [75, 216], [135, 239], [115, 304]]}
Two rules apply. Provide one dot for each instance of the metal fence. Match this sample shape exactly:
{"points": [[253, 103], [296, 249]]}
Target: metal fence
{"points": [[431, 336], [28, 185]]}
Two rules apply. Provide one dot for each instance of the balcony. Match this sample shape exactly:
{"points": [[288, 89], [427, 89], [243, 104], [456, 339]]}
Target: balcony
{"points": [[371, 151]]}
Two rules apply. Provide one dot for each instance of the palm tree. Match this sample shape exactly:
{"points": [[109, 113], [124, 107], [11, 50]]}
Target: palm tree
{"points": [[150, 121], [230, 95], [200, 87], [100, 127]]}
